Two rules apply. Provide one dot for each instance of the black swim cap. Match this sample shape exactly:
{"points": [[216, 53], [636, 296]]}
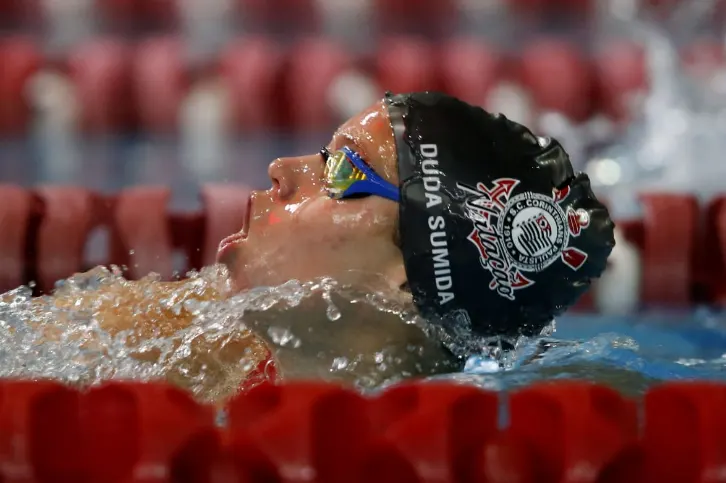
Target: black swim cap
{"points": [[498, 233]]}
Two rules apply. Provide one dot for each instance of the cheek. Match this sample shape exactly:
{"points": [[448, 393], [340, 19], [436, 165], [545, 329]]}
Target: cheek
{"points": [[310, 223], [371, 216], [325, 225]]}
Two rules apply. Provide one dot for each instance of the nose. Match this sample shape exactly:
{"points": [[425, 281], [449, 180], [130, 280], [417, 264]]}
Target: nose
{"points": [[290, 175]]}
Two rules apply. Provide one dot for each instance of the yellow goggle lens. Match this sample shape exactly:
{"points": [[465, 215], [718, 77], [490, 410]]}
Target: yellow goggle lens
{"points": [[340, 173]]}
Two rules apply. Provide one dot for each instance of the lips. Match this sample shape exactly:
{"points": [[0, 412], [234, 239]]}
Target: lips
{"points": [[246, 220], [228, 243]]}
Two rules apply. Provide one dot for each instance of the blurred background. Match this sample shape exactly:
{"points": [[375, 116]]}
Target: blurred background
{"points": [[111, 93]]}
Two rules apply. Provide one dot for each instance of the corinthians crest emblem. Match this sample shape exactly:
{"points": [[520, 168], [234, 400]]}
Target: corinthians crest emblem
{"points": [[519, 234]]}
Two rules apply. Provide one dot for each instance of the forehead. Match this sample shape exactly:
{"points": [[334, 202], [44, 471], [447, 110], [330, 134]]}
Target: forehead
{"points": [[370, 133]]}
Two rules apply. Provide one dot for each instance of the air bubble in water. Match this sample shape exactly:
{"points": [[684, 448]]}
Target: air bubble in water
{"points": [[283, 337], [332, 311], [71, 342]]}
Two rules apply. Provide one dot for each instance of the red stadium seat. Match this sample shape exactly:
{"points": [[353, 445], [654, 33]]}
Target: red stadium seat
{"points": [[703, 57], [586, 304], [117, 432], [664, 5], [420, 16], [406, 64], [566, 12], [113, 422], [436, 428], [470, 69], [159, 13], [131, 15], [684, 432], [671, 229], [18, 405], [251, 68], [419, 432], [620, 76], [55, 436], [118, 15], [20, 60], [142, 238], [576, 6], [101, 72], [187, 235], [529, 6], [11, 12], [572, 426], [503, 459], [141, 424], [160, 83], [67, 215], [711, 267], [302, 428], [558, 78], [313, 67], [15, 211], [225, 209], [204, 458], [280, 16]]}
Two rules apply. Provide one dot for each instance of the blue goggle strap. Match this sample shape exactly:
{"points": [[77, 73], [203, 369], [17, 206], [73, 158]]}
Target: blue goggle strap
{"points": [[373, 184]]}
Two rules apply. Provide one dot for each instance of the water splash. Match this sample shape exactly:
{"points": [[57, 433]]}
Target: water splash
{"points": [[675, 141], [99, 326]]}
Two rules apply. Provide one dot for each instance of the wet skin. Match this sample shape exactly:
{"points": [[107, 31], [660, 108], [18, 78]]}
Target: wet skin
{"points": [[295, 231]]}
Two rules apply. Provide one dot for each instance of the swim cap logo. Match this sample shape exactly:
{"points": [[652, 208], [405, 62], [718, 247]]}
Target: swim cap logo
{"points": [[523, 233]]}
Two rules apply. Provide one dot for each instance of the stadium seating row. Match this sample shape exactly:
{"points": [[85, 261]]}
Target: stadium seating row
{"points": [[165, 13], [120, 86], [317, 432], [683, 253]]}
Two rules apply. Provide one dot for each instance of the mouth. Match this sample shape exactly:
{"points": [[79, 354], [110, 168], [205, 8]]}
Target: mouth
{"points": [[228, 243], [248, 215]]}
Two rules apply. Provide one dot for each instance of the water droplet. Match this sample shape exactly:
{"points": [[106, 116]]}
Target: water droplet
{"points": [[81, 350], [340, 363], [333, 313], [131, 252]]}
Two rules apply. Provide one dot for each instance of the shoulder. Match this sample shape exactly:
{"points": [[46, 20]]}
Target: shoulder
{"points": [[148, 306]]}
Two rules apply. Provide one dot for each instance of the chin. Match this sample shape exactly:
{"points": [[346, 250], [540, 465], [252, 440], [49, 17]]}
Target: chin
{"points": [[240, 282], [228, 259]]}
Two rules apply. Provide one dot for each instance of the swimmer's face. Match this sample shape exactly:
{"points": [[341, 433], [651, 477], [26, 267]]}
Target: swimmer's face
{"points": [[296, 231]]}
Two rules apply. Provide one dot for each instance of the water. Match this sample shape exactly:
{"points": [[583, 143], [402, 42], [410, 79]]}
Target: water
{"points": [[627, 353], [674, 143], [100, 326], [89, 332]]}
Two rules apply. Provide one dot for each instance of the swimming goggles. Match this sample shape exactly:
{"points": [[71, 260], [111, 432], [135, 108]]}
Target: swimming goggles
{"points": [[348, 175]]}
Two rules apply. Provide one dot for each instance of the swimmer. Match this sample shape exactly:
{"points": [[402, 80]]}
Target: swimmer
{"points": [[483, 226]]}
